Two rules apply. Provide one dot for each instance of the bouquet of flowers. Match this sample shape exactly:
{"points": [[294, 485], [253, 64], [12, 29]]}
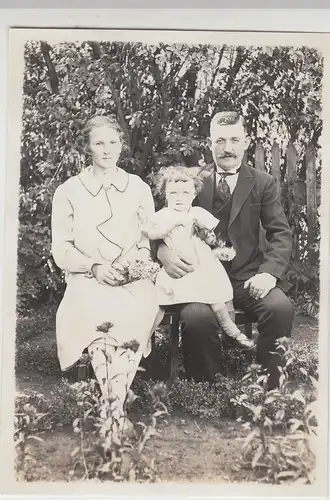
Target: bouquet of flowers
{"points": [[224, 252], [141, 270]]}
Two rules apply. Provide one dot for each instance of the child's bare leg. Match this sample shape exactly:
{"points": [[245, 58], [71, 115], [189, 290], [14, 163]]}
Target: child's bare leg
{"points": [[231, 310], [225, 320]]}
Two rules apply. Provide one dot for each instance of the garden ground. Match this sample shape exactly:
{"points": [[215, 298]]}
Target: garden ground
{"points": [[186, 448]]}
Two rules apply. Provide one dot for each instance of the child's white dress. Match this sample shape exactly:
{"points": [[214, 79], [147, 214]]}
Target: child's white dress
{"points": [[209, 282]]}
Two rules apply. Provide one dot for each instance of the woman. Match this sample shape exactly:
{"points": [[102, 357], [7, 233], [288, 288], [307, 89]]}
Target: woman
{"points": [[95, 229]]}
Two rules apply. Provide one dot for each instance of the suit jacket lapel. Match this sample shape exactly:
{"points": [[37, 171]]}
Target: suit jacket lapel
{"points": [[205, 197], [245, 183]]}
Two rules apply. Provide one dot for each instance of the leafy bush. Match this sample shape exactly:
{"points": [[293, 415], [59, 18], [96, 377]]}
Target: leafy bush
{"points": [[280, 447], [60, 406], [39, 358], [26, 422]]}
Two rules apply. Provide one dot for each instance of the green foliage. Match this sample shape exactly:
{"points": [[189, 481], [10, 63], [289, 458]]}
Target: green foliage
{"points": [[164, 96]]}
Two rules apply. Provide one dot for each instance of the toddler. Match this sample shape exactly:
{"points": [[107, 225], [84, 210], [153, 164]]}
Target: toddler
{"points": [[189, 231]]}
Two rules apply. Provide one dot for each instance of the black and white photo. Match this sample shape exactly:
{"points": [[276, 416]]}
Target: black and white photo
{"points": [[169, 241]]}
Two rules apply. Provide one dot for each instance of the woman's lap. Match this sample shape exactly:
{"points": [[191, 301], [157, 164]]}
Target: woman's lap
{"points": [[86, 305]]}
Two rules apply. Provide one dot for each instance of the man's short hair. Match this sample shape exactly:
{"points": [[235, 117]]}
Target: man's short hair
{"points": [[227, 118]]}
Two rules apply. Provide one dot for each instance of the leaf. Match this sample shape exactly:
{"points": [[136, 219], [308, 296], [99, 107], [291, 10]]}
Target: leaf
{"points": [[301, 480], [105, 467], [37, 438], [269, 400], [268, 422], [299, 397], [314, 381], [76, 422], [280, 414], [295, 425], [87, 413], [257, 456], [257, 387], [286, 474], [75, 452], [159, 413], [249, 438], [297, 436], [272, 449], [295, 465]]}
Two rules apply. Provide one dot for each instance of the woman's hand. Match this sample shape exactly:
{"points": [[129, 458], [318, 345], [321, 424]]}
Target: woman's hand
{"points": [[105, 273], [175, 266]]}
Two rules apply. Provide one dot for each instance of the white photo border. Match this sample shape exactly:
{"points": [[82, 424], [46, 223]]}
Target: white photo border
{"points": [[11, 161]]}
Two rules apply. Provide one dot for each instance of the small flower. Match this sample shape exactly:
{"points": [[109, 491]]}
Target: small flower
{"points": [[158, 390], [105, 327], [133, 345], [226, 254], [283, 341]]}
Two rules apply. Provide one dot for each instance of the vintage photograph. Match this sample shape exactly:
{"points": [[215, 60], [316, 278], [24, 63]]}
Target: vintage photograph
{"points": [[168, 252]]}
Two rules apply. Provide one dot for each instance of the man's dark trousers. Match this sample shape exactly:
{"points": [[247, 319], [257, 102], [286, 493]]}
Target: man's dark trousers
{"points": [[200, 332]]}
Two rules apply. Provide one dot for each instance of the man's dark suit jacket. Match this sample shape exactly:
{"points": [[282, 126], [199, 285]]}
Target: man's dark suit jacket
{"points": [[258, 228]]}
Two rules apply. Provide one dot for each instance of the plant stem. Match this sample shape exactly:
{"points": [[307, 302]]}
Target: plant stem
{"points": [[82, 446]]}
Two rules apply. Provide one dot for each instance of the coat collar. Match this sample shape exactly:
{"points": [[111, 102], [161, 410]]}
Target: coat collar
{"points": [[94, 185]]}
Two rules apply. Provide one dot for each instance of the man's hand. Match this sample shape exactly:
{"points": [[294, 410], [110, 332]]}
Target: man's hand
{"points": [[173, 264], [260, 285], [104, 273]]}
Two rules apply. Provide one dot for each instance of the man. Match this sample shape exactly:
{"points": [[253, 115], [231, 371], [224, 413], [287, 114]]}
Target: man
{"points": [[251, 219]]}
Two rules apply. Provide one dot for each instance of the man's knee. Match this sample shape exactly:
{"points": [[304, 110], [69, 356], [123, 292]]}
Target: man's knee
{"points": [[276, 302], [278, 309], [196, 316]]}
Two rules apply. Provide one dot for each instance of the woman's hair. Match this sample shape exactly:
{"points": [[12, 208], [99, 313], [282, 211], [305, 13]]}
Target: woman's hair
{"points": [[102, 121], [177, 173]]}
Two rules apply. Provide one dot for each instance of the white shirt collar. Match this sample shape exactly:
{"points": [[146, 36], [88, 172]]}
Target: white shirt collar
{"points": [[232, 170]]}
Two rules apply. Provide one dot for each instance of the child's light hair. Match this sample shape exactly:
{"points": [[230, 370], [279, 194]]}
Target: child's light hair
{"points": [[177, 173]]}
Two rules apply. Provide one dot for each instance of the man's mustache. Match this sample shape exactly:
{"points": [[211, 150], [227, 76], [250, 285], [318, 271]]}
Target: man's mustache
{"points": [[228, 155]]}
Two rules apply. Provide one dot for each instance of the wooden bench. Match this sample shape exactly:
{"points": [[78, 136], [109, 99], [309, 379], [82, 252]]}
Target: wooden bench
{"points": [[173, 320]]}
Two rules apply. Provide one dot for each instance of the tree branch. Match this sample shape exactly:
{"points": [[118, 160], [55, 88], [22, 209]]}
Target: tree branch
{"points": [[153, 134], [53, 78], [253, 91], [218, 65], [241, 57], [96, 49]]}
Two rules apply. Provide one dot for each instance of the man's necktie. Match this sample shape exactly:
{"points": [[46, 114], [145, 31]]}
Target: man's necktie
{"points": [[223, 186]]}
